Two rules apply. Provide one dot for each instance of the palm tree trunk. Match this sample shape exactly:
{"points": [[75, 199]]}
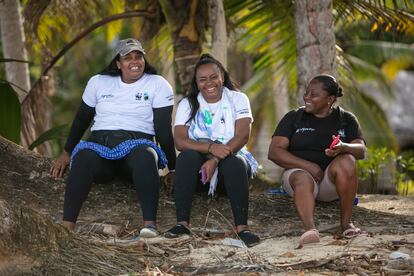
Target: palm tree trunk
{"points": [[315, 41], [218, 26], [281, 99], [35, 111], [12, 37], [282, 105], [186, 24]]}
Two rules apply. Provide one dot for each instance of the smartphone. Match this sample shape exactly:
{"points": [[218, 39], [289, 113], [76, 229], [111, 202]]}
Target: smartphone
{"points": [[335, 141], [203, 175]]}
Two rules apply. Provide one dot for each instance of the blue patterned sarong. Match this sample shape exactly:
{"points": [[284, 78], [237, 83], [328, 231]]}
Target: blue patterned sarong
{"points": [[121, 150]]}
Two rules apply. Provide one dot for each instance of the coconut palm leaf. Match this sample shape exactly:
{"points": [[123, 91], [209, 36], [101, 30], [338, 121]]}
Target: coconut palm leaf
{"points": [[58, 132], [366, 71], [378, 52], [386, 15], [161, 43], [371, 117], [267, 28]]}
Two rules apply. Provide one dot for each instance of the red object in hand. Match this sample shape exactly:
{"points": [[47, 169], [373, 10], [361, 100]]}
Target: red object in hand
{"points": [[203, 175], [335, 141]]}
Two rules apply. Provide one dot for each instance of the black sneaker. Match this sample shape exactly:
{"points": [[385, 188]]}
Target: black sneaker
{"points": [[248, 238], [176, 231]]}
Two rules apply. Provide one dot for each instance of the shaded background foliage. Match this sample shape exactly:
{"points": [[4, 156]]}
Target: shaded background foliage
{"points": [[374, 41]]}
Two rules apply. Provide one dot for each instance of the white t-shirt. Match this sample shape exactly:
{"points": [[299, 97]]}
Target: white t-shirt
{"points": [[239, 103], [127, 106]]}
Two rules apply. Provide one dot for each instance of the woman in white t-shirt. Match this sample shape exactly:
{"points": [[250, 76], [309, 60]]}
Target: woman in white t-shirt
{"points": [[129, 105], [212, 127]]}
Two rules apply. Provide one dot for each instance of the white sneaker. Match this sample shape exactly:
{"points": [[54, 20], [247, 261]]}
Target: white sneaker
{"points": [[149, 231]]}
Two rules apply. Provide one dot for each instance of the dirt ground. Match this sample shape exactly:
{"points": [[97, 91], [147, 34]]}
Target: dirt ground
{"points": [[390, 204], [112, 215]]}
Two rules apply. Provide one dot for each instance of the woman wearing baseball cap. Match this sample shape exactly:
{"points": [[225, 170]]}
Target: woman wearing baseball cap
{"points": [[129, 105]]}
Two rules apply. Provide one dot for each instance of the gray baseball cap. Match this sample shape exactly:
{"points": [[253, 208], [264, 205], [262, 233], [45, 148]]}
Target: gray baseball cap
{"points": [[126, 46]]}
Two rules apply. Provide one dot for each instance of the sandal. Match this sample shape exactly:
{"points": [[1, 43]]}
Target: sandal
{"points": [[310, 236], [351, 232]]}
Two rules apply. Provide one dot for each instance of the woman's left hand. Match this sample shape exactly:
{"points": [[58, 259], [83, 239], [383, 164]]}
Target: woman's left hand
{"points": [[59, 165], [169, 181], [337, 149], [220, 150]]}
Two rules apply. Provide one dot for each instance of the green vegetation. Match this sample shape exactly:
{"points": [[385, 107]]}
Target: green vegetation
{"points": [[374, 41], [9, 113], [382, 162]]}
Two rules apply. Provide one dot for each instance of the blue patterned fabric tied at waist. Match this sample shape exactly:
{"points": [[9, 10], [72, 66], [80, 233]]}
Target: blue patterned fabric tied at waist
{"points": [[121, 150]]}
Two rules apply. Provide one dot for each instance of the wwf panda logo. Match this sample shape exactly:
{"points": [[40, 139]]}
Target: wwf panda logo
{"points": [[139, 96]]}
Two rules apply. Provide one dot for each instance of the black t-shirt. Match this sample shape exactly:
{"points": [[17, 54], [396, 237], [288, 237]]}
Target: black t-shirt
{"points": [[312, 135]]}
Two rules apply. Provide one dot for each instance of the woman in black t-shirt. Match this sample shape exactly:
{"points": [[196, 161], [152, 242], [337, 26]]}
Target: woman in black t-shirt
{"points": [[314, 169]]}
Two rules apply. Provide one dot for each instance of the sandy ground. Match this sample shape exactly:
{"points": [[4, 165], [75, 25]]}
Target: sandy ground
{"points": [[391, 204], [112, 213]]}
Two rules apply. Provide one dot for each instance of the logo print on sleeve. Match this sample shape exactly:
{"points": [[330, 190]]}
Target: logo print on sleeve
{"points": [[106, 96]]}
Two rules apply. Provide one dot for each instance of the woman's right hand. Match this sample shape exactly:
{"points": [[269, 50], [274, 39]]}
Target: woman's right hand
{"points": [[220, 150], [209, 166], [59, 165]]}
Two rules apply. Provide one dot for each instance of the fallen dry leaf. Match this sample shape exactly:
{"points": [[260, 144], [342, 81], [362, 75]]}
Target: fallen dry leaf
{"points": [[229, 254], [337, 242], [288, 255]]}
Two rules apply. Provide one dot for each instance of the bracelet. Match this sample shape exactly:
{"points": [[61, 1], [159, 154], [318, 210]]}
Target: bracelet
{"points": [[209, 147], [215, 159]]}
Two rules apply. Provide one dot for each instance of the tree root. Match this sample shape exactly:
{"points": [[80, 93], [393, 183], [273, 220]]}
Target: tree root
{"points": [[27, 234]]}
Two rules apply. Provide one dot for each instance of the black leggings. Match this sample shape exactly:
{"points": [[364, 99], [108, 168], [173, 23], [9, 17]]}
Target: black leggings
{"points": [[140, 166], [233, 172]]}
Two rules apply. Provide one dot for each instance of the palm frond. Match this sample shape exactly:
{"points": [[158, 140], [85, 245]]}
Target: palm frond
{"points": [[374, 122], [380, 51], [47, 22], [372, 119], [265, 30], [362, 70], [161, 43], [384, 15]]}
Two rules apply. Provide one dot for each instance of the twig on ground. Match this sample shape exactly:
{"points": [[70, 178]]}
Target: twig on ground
{"points": [[195, 271]]}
